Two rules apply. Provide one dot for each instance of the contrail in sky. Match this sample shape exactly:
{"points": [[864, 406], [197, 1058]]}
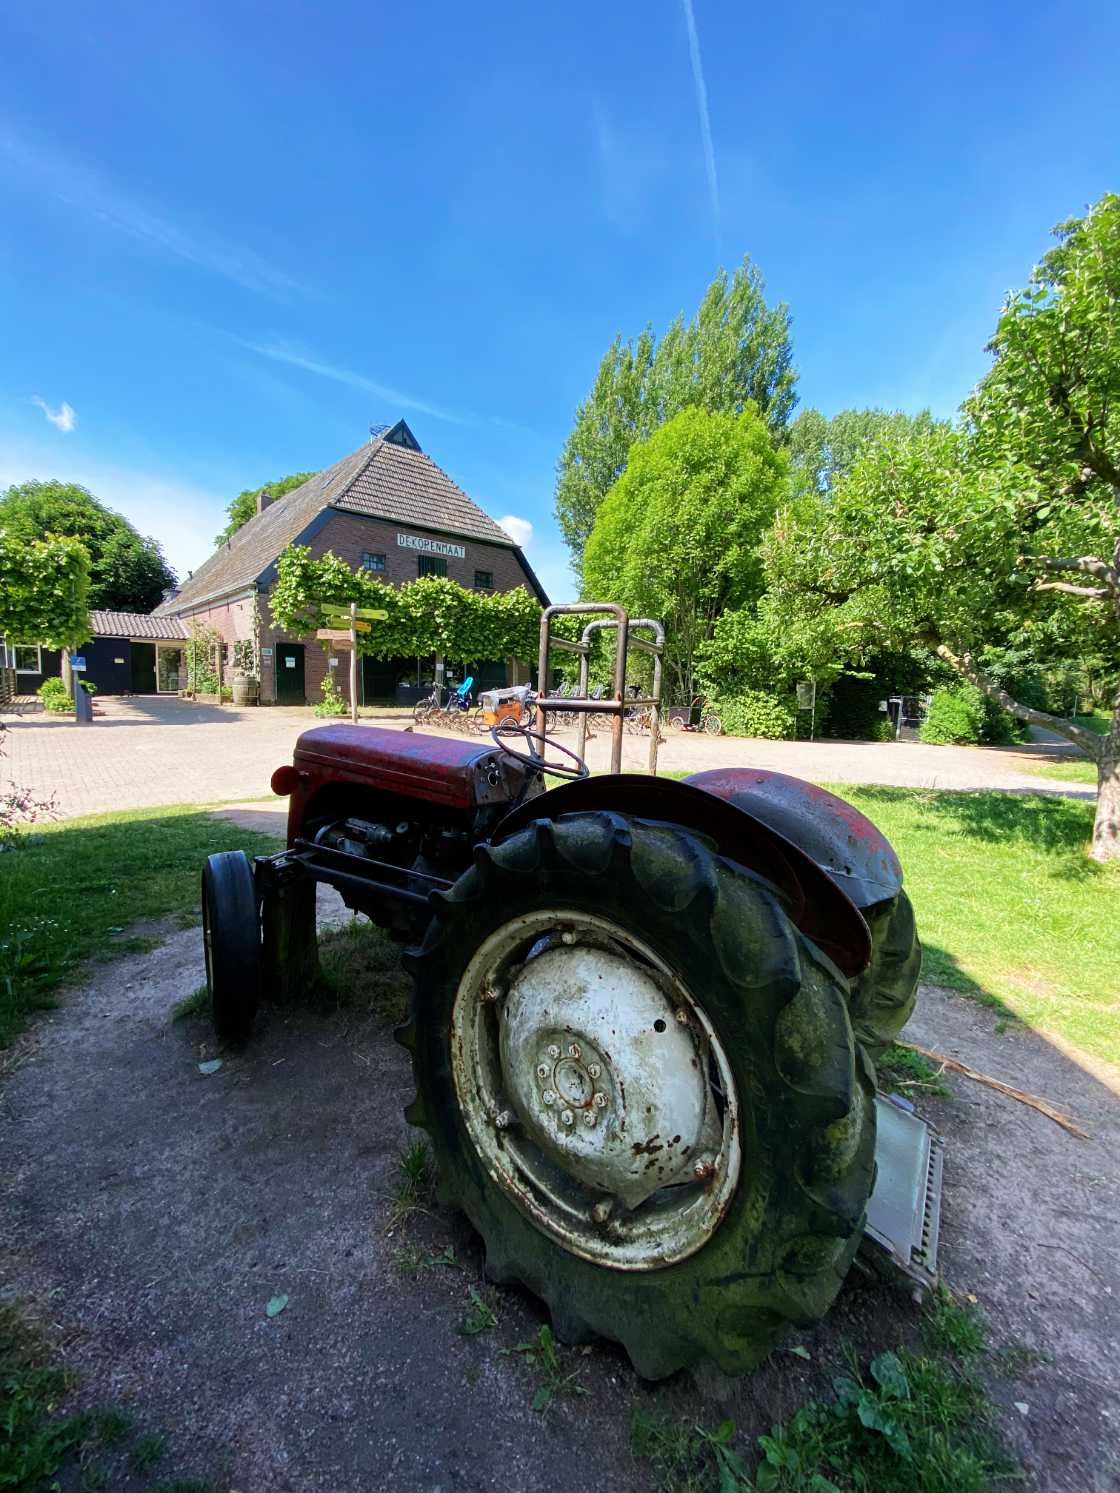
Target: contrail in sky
{"points": [[705, 117]]}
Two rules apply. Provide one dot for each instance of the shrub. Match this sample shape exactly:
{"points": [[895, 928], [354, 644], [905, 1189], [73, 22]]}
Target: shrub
{"points": [[756, 713], [55, 695], [332, 702], [956, 715]]}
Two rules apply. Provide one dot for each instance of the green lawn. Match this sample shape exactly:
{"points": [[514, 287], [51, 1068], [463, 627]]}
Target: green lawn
{"points": [[72, 892], [1008, 905], [1076, 770]]}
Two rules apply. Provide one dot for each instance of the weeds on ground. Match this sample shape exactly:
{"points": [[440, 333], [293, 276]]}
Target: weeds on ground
{"points": [[415, 1184], [147, 1451], [481, 1314], [33, 1438], [361, 970], [909, 1425], [902, 1068], [951, 1327], [413, 1258], [554, 1381], [195, 1004]]}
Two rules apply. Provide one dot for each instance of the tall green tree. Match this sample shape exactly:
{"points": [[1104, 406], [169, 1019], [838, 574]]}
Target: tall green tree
{"points": [[735, 351], [822, 449], [677, 537], [244, 506], [127, 572]]}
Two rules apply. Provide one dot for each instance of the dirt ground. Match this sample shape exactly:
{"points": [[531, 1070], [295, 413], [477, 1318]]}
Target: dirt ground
{"points": [[152, 1212]]}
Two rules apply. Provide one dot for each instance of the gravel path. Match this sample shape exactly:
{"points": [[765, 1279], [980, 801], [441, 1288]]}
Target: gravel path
{"points": [[145, 752], [154, 1211]]}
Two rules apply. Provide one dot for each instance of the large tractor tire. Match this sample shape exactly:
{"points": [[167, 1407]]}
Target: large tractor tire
{"points": [[883, 997], [231, 934], [641, 1086]]}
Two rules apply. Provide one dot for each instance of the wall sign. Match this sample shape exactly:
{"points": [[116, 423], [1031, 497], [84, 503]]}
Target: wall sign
{"points": [[266, 652], [118, 660], [431, 546], [289, 663]]}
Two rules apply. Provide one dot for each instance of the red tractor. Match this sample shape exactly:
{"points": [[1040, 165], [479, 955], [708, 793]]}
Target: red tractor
{"points": [[644, 1020]]}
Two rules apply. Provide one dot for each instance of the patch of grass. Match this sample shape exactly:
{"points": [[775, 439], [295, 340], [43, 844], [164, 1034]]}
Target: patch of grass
{"points": [[553, 1378], [1010, 909], [34, 1438], [686, 1458], [906, 1425], [182, 1485], [902, 1068], [481, 1314], [111, 1425], [195, 1004], [147, 1451], [1018, 1359], [413, 1259], [361, 970], [953, 1327], [1099, 721], [95, 1477], [67, 884], [414, 1186], [1076, 770]]}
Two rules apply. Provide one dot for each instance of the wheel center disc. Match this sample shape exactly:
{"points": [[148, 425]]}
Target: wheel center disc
{"points": [[595, 1089]]}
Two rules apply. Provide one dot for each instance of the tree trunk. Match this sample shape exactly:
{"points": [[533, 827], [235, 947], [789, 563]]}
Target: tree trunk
{"points": [[1106, 826]]}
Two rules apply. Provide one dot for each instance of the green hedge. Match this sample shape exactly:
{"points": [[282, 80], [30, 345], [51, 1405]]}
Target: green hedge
{"points": [[756, 713]]}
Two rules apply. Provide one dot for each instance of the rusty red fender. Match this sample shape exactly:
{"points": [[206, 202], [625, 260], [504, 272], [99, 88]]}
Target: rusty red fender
{"points": [[826, 858]]}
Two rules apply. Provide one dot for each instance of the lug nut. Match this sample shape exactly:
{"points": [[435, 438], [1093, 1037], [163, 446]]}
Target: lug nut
{"points": [[593, 1070], [573, 1049], [542, 1070], [590, 1118], [682, 1016], [549, 1096], [704, 1171], [566, 1117], [600, 1100], [504, 1120], [602, 1211], [568, 938], [553, 1050], [491, 993]]}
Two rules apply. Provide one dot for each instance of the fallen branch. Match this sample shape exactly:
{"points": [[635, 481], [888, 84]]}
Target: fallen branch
{"points": [[1044, 1108]]}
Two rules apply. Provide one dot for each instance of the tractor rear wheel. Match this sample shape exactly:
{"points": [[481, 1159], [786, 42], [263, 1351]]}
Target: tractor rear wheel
{"points": [[641, 1086], [883, 997], [231, 934]]}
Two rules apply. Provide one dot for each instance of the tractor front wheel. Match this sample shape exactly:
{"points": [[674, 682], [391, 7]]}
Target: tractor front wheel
{"points": [[641, 1086], [231, 933]]}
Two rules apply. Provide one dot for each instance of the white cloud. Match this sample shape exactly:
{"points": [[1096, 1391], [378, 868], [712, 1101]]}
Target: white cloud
{"points": [[705, 116], [81, 188], [391, 399], [62, 418], [520, 530]]}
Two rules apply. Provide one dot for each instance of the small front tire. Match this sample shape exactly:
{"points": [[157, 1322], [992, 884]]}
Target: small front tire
{"points": [[231, 932]]}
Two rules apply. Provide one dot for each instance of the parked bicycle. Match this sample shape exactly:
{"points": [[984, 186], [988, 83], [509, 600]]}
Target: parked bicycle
{"points": [[447, 705], [695, 717]]}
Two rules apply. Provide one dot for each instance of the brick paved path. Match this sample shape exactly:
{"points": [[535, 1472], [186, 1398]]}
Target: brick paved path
{"points": [[144, 752]]}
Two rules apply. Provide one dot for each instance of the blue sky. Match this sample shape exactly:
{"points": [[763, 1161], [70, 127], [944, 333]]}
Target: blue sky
{"points": [[234, 235]]}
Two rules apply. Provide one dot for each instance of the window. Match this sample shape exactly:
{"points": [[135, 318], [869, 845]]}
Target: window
{"points": [[27, 658], [430, 565], [484, 580], [374, 562]]}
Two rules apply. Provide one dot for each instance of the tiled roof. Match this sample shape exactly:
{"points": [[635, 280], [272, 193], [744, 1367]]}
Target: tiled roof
{"points": [[380, 480], [135, 625]]}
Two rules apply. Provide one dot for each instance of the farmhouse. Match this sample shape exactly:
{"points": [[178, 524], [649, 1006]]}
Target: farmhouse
{"points": [[387, 507]]}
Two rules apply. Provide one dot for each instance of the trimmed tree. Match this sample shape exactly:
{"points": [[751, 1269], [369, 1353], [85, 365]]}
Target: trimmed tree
{"points": [[677, 537], [127, 573], [44, 588], [244, 506]]}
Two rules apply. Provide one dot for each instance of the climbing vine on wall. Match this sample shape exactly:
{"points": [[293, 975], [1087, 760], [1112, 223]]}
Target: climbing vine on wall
{"points": [[203, 654], [431, 615]]}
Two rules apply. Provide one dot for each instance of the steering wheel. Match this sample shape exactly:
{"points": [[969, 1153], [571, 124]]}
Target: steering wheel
{"points": [[508, 728]]}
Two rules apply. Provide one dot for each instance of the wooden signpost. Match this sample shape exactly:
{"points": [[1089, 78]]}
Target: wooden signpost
{"points": [[360, 619]]}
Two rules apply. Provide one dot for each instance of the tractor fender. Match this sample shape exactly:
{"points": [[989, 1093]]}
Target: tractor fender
{"points": [[855, 853], [816, 903]]}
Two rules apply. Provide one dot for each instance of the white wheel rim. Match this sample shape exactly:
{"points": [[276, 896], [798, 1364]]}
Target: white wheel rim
{"points": [[595, 1090]]}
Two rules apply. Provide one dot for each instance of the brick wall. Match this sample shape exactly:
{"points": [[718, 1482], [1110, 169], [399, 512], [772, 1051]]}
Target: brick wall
{"points": [[350, 536]]}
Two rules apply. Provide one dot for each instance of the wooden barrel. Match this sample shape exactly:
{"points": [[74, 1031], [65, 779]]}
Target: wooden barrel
{"points": [[246, 689]]}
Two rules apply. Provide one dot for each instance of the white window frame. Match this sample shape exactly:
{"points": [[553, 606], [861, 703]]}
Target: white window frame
{"points": [[38, 647]]}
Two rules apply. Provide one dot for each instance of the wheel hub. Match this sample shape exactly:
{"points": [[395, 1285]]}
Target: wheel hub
{"points": [[588, 1080]]}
